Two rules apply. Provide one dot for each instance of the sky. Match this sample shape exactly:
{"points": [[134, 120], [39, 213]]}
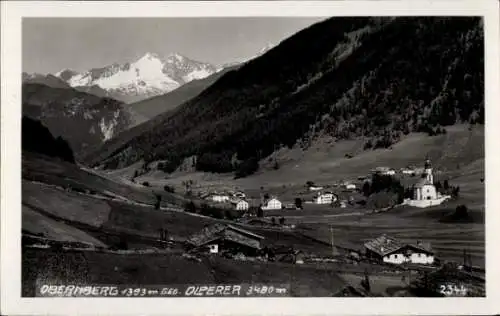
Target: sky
{"points": [[53, 44]]}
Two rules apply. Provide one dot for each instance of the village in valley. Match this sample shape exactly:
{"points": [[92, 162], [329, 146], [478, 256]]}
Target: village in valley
{"points": [[241, 214], [341, 170]]}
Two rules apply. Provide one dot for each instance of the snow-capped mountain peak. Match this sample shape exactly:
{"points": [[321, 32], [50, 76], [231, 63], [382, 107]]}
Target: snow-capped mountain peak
{"points": [[149, 56], [148, 76], [175, 57]]}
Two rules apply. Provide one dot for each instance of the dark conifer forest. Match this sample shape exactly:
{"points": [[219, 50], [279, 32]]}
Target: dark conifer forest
{"points": [[38, 139]]}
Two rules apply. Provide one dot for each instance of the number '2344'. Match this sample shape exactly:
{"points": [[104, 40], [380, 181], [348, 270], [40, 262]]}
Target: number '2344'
{"points": [[452, 290]]}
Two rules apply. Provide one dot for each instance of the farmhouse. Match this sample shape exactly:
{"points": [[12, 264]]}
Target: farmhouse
{"points": [[221, 238], [390, 250], [315, 188], [219, 197], [424, 191], [408, 171], [349, 186], [325, 198], [384, 171], [271, 204], [240, 205]]}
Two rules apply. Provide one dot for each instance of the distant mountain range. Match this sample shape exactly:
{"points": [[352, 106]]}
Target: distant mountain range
{"points": [[149, 76], [375, 79], [87, 108]]}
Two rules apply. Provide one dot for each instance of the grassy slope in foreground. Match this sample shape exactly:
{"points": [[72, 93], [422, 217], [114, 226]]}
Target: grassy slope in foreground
{"points": [[164, 269]]}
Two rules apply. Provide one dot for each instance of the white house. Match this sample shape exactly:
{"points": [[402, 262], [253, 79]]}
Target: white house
{"points": [[315, 188], [424, 191], [408, 171], [219, 197], [325, 198], [390, 250], [350, 186], [384, 171], [272, 204], [240, 205]]}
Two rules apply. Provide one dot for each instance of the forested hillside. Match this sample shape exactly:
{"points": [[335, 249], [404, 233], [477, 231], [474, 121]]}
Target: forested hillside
{"points": [[376, 78], [37, 138]]}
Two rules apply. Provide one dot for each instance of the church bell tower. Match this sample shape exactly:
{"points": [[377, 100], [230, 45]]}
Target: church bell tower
{"points": [[428, 170]]}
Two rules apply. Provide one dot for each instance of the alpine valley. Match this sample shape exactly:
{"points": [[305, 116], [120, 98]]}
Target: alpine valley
{"points": [[316, 164]]}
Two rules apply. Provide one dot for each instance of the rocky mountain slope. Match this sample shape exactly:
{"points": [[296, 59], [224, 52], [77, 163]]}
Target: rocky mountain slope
{"points": [[366, 78], [82, 119], [149, 76]]}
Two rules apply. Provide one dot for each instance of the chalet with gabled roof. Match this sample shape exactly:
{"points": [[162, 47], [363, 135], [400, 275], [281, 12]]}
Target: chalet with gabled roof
{"points": [[224, 238], [390, 250]]}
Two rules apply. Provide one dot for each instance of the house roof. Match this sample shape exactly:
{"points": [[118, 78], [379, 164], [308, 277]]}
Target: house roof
{"points": [[246, 232], [423, 246], [384, 245], [236, 201], [218, 231], [270, 199]]}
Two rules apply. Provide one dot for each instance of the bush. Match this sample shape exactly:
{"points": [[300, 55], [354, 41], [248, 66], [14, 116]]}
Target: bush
{"points": [[461, 211], [233, 214], [158, 201], [384, 183], [298, 203], [169, 189], [228, 214], [247, 167], [276, 166], [118, 243], [190, 207], [366, 188], [214, 212], [368, 145], [260, 212], [446, 185]]}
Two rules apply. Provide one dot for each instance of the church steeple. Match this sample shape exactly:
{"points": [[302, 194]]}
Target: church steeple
{"points": [[428, 170]]}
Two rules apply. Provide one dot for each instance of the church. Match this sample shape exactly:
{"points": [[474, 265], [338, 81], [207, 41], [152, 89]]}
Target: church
{"points": [[424, 191]]}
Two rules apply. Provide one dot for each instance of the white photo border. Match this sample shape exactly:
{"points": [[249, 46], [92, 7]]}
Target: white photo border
{"points": [[12, 303]]}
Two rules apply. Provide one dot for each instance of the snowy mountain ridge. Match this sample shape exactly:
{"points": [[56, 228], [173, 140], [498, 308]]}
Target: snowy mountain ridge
{"points": [[148, 76]]}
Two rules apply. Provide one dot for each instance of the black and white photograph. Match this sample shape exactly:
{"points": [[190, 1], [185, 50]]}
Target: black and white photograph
{"points": [[322, 156]]}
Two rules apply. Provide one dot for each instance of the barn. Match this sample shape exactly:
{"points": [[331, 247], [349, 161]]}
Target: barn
{"points": [[222, 238], [240, 205], [391, 250], [272, 204]]}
